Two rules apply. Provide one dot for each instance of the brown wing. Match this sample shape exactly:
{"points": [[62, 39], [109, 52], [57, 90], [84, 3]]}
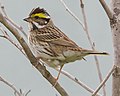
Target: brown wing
{"points": [[53, 35]]}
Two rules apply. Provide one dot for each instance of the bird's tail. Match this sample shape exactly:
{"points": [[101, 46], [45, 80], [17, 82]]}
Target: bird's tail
{"points": [[89, 52]]}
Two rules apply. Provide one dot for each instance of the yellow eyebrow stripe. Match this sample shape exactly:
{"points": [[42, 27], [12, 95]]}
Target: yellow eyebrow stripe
{"points": [[41, 15]]}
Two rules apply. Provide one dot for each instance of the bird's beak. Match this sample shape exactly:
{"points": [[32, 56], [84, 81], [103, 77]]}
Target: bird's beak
{"points": [[27, 19]]}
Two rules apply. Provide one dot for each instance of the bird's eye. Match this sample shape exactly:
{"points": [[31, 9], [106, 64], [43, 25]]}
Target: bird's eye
{"points": [[36, 17]]}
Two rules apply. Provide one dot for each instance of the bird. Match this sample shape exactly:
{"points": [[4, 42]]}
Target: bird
{"points": [[50, 44]]}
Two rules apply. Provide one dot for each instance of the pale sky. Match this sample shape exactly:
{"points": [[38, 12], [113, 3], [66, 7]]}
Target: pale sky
{"points": [[16, 69]]}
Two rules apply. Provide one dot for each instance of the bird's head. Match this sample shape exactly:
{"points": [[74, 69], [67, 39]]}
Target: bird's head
{"points": [[38, 17]]}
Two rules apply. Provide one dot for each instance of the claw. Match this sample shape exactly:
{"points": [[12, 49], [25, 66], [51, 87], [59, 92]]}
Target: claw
{"points": [[38, 60]]}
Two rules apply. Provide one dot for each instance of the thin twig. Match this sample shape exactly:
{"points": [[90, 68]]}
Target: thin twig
{"points": [[98, 70], [85, 23], [72, 14], [91, 44], [27, 92], [6, 36], [11, 86], [16, 92], [105, 79], [16, 26], [77, 81], [107, 9], [6, 17], [3, 9]]}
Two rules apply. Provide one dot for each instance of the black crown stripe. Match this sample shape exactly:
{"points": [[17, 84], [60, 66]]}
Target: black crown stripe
{"points": [[38, 10]]}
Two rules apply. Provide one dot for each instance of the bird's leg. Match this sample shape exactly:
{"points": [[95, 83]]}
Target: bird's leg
{"points": [[58, 75]]}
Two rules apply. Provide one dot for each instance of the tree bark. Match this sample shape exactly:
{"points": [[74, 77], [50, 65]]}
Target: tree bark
{"points": [[115, 27]]}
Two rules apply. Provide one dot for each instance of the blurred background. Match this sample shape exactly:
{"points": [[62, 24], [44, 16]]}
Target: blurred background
{"points": [[16, 69]]}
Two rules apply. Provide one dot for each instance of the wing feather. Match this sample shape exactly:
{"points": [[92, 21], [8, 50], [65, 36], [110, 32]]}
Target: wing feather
{"points": [[53, 35]]}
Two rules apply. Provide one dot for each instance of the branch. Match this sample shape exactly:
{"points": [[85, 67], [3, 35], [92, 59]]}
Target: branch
{"points": [[3, 9], [6, 36], [91, 44], [16, 26], [31, 57], [106, 8], [77, 81], [99, 72], [16, 92], [27, 92], [74, 79], [6, 17], [105, 79], [85, 23]]}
